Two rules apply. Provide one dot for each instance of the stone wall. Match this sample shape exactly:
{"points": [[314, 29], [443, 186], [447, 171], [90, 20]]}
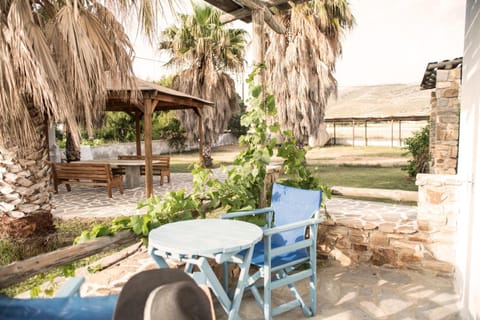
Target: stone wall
{"points": [[112, 151], [422, 241], [445, 122]]}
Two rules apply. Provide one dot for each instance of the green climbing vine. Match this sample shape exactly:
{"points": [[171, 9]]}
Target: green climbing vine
{"points": [[244, 181]]}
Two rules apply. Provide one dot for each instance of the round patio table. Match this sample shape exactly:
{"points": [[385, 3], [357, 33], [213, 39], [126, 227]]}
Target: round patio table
{"points": [[193, 241]]}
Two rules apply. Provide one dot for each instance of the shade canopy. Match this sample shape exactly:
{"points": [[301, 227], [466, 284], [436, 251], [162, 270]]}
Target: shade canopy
{"points": [[144, 98]]}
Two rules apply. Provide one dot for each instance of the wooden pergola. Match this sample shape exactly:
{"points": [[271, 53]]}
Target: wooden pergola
{"points": [[153, 98]]}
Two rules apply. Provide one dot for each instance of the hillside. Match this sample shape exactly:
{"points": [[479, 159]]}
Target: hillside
{"points": [[379, 101]]}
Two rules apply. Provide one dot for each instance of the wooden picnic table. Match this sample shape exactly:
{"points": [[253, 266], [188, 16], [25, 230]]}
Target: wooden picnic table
{"points": [[132, 169]]}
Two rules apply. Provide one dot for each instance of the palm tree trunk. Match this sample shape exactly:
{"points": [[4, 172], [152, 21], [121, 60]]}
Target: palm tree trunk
{"points": [[207, 156], [25, 194], [72, 149]]}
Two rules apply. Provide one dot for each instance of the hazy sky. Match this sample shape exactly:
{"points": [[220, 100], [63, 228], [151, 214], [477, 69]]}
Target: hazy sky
{"points": [[392, 42]]}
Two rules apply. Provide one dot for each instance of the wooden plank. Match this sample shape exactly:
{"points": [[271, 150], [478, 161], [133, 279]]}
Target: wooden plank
{"points": [[22, 270], [396, 195]]}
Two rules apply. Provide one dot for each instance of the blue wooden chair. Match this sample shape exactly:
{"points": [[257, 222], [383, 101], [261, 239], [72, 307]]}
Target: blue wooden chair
{"points": [[285, 247]]}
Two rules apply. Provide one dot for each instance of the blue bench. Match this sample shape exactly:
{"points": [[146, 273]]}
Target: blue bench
{"points": [[67, 304]]}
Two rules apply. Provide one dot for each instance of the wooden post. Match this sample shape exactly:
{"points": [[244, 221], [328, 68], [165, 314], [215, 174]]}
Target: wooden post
{"points": [[138, 116], [366, 135], [200, 136], [353, 133], [400, 133], [149, 108], [334, 133], [258, 42], [391, 129]]}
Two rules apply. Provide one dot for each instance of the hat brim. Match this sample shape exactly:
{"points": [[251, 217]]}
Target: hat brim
{"points": [[134, 295]]}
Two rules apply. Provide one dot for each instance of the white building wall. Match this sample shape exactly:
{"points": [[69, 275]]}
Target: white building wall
{"points": [[468, 246]]}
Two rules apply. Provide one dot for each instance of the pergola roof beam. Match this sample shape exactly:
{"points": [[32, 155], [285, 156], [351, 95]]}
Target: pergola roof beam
{"points": [[268, 16]]}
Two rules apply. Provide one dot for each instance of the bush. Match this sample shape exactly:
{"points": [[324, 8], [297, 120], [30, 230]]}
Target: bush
{"points": [[175, 134], [419, 147], [234, 125]]}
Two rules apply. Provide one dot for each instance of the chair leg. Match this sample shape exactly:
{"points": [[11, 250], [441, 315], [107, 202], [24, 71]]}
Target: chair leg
{"points": [[120, 187], [109, 188]]}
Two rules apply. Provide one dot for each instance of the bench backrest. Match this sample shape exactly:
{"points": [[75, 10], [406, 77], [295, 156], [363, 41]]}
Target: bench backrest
{"points": [[87, 171], [163, 161]]}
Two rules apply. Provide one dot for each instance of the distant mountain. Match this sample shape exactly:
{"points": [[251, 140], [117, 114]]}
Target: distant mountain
{"points": [[379, 101]]}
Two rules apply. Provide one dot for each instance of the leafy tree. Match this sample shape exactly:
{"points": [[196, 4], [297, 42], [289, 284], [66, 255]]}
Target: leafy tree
{"points": [[203, 49]]}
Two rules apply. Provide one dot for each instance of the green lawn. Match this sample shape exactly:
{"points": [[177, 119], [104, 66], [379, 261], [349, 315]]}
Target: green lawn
{"points": [[364, 177], [335, 165]]}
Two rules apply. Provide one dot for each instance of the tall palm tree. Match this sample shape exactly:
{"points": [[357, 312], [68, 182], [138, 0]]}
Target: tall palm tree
{"points": [[205, 50], [301, 65], [55, 58]]}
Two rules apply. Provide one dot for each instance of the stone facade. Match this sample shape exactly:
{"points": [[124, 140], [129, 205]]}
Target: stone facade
{"points": [[445, 122], [425, 241]]}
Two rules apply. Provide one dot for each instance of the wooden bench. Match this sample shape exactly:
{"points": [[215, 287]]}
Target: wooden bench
{"points": [[87, 174], [160, 168]]}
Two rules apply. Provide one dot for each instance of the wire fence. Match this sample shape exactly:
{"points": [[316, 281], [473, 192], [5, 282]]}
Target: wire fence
{"points": [[388, 131]]}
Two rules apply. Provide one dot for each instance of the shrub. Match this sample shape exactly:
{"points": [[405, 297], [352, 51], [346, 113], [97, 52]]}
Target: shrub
{"points": [[175, 134], [234, 125], [419, 147]]}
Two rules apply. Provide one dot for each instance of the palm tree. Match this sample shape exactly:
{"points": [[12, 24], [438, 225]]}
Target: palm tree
{"points": [[301, 65], [55, 58], [204, 50]]}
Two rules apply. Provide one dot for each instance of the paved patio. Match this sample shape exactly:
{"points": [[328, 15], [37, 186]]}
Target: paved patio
{"points": [[353, 292]]}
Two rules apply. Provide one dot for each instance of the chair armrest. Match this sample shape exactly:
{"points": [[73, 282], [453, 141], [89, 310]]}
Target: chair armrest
{"points": [[71, 288], [246, 213], [291, 226]]}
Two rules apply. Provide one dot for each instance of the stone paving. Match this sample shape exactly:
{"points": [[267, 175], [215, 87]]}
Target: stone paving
{"points": [[345, 292]]}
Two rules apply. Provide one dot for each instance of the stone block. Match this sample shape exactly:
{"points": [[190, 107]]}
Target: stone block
{"points": [[434, 196], [340, 231], [406, 229], [341, 257], [420, 236], [343, 243], [454, 75], [379, 239], [381, 256], [405, 244], [351, 223], [442, 76], [359, 247], [442, 251], [409, 256], [439, 266], [363, 239], [387, 227], [443, 237], [358, 233]]}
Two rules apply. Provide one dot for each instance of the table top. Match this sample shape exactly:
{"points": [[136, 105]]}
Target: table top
{"points": [[205, 236], [124, 163]]}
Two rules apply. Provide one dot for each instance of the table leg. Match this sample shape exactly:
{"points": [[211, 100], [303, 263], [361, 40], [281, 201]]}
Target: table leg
{"points": [[158, 259], [132, 176], [242, 283]]}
